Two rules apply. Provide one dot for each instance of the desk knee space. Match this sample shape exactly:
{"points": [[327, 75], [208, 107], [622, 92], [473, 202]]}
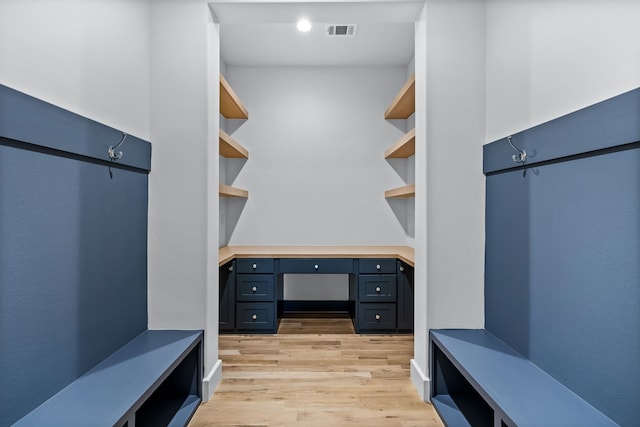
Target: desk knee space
{"points": [[154, 380], [478, 380]]}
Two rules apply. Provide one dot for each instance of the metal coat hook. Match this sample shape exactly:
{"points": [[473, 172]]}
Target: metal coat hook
{"points": [[112, 150], [521, 157]]}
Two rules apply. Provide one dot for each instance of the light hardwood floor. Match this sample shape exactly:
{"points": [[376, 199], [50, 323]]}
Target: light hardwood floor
{"points": [[315, 372]]}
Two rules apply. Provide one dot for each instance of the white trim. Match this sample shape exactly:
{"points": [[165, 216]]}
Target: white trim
{"points": [[420, 381], [211, 381]]}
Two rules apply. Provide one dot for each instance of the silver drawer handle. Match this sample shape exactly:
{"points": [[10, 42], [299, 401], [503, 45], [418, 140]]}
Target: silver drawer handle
{"points": [[378, 317], [378, 289], [254, 316], [378, 267], [231, 268], [315, 266], [254, 266], [401, 268], [254, 289]]}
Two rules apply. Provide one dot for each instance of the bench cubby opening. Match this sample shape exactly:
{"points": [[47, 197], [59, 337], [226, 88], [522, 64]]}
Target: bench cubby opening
{"points": [[454, 395], [177, 397]]}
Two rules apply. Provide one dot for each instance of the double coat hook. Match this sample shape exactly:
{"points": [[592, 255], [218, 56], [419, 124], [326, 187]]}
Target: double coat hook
{"points": [[521, 157], [113, 155]]}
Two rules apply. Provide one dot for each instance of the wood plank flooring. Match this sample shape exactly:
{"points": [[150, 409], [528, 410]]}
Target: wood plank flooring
{"points": [[315, 372]]}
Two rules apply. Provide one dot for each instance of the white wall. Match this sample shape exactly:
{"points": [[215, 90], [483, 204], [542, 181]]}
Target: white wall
{"points": [[183, 202], [91, 58], [449, 165], [455, 183], [419, 363], [316, 172], [546, 59], [228, 125], [213, 365]]}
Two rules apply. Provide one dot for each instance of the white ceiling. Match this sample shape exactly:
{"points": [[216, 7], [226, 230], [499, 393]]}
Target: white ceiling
{"points": [[258, 33]]}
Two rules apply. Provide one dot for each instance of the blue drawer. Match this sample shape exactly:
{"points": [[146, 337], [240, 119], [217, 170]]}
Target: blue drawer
{"points": [[322, 266], [377, 316], [256, 316], [255, 287], [377, 265], [377, 288], [254, 265]]}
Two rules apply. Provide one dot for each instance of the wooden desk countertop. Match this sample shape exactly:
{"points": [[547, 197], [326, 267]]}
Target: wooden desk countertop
{"points": [[403, 253]]}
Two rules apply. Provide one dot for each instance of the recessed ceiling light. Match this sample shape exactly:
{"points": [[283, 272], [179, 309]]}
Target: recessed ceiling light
{"points": [[304, 25]]}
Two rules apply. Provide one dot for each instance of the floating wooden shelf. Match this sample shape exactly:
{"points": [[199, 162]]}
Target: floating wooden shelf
{"points": [[228, 191], [403, 253], [403, 148], [401, 192], [230, 148], [404, 104], [230, 105]]}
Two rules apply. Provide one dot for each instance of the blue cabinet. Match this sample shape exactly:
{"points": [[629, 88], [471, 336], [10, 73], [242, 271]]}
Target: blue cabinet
{"points": [[248, 296], [255, 287], [254, 265], [377, 317], [380, 292], [256, 317], [384, 301], [405, 296], [319, 266], [377, 266], [372, 288], [376, 307], [227, 295]]}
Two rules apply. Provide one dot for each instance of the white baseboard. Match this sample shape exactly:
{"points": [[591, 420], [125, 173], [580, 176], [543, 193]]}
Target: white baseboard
{"points": [[211, 381], [420, 381]]}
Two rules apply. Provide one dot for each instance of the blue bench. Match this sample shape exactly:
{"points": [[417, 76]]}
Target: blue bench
{"points": [[154, 380], [479, 380]]}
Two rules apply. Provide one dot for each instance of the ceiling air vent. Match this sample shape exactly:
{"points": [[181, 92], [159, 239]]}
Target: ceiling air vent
{"points": [[348, 30]]}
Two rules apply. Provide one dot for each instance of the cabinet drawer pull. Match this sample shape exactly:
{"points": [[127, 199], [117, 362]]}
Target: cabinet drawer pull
{"points": [[378, 267], [316, 266], [378, 317], [401, 268], [254, 289], [231, 268], [254, 266], [254, 316], [378, 289]]}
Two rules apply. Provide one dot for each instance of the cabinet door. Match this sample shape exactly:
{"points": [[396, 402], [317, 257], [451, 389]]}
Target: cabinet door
{"points": [[377, 266], [377, 288], [256, 317], [255, 287], [376, 317], [227, 313], [405, 297], [313, 266], [254, 265]]}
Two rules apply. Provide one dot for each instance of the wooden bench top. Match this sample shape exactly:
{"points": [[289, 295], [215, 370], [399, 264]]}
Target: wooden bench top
{"points": [[526, 394], [108, 392], [403, 253]]}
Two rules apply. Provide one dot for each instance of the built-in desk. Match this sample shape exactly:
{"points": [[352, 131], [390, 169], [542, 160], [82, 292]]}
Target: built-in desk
{"points": [[380, 284]]}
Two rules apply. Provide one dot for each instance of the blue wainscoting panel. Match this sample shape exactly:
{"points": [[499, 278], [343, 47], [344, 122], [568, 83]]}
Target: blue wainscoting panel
{"points": [[607, 124], [563, 268], [27, 119], [73, 266]]}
